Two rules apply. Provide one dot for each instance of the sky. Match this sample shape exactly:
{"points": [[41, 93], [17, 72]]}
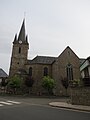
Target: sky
{"points": [[51, 26]]}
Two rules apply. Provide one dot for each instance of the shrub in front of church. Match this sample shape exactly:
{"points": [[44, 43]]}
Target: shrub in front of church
{"points": [[14, 84], [65, 82], [48, 84], [75, 83]]}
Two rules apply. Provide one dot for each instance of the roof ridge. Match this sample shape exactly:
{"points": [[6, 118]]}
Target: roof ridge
{"points": [[45, 56]]}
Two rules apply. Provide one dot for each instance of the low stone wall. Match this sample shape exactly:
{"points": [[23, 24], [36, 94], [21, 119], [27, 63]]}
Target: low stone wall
{"points": [[80, 96]]}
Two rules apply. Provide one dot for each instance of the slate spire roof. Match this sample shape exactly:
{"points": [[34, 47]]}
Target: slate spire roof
{"points": [[3, 73], [22, 36], [15, 38]]}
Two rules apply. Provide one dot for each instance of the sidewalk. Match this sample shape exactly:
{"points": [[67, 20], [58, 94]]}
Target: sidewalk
{"points": [[70, 106]]}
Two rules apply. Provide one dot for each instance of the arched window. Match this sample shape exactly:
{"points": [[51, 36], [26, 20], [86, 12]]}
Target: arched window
{"points": [[30, 71], [69, 70], [45, 71]]}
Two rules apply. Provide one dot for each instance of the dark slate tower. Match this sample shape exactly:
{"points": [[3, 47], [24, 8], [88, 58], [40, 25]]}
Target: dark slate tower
{"points": [[19, 52]]}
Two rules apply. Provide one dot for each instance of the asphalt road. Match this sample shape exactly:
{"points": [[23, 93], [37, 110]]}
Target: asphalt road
{"points": [[31, 109]]}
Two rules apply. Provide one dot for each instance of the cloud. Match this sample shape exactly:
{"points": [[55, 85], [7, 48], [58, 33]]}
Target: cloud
{"points": [[51, 25]]}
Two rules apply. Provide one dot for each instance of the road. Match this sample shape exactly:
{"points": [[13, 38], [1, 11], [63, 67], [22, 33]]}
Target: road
{"points": [[36, 109]]}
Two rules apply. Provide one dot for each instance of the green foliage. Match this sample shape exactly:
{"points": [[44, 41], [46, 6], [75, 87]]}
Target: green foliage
{"points": [[15, 82], [48, 83], [75, 82]]}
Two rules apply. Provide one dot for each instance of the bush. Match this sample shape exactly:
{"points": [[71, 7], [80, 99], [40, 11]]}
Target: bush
{"points": [[14, 83], [75, 83], [48, 83], [65, 82]]}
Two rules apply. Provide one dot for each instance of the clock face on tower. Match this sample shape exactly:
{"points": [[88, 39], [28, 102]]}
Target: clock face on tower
{"points": [[20, 41]]}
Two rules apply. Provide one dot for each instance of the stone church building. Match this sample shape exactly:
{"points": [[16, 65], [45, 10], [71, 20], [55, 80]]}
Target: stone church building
{"points": [[66, 65]]}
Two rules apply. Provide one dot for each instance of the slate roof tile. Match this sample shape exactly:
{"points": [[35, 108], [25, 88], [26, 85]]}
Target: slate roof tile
{"points": [[3, 73], [42, 60]]}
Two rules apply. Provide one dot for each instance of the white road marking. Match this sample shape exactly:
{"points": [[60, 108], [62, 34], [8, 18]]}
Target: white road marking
{"points": [[6, 103], [1, 105], [9, 101]]}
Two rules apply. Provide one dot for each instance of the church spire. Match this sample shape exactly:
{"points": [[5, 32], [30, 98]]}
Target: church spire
{"points": [[15, 38], [21, 36]]}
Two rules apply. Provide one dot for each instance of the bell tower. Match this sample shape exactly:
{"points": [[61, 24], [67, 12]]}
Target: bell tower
{"points": [[19, 51]]}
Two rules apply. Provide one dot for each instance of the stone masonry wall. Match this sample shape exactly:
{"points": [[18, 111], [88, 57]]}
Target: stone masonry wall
{"points": [[80, 96]]}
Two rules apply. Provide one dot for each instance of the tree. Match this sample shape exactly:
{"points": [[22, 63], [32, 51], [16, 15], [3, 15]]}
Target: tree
{"points": [[14, 83], [48, 83], [65, 83], [29, 82]]}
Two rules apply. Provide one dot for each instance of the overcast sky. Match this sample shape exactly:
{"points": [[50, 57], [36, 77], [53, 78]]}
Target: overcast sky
{"points": [[51, 25]]}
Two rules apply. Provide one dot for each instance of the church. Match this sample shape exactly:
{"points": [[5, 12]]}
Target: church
{"points": [[66, 65]]}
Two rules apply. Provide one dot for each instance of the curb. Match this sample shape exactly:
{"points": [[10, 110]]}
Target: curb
{"points": [[70, 106]]}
